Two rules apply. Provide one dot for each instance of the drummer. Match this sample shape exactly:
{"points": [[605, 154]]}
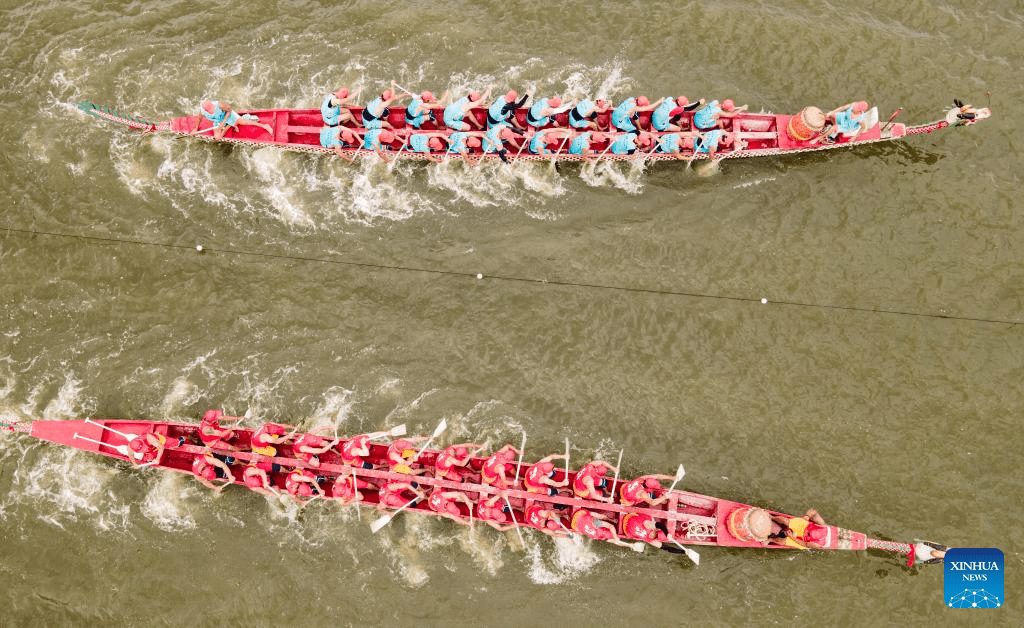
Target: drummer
{"points": [[809, 531], [850, 120]]}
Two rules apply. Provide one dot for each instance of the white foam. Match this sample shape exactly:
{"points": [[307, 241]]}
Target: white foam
{"points": [[568, 561], [166, 503]]}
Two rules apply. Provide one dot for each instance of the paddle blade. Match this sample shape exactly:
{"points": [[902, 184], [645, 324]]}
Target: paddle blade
{"points": [[680, 472], [379, 523], [441, 427], [398, 430], [692, 555], [638, 546]]}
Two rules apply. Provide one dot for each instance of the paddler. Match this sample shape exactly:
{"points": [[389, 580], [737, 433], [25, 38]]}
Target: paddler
{"points": [[494, 511], [642, 527], [644, 490], [678, 144], [809, 531], [208, 468], [338, 137], [222, 117], [628, 143], [444, 503], [713, 115], [422, 108], [543, 111], [464, 142], [540, 477], [495, 139], [683, 106], [346, 488], [256, 479], [354, 450], [584, 114], [147, 448], [375, 114], [401, 452], [454, 459], [268, 435], [542, 517], [593, 525], [548, 141], [590, 480], [493, 472], [427, 143], [303, 484], [708, 143], [455, 113], [309, 446], [626, 116], [213, 435], [581, 144], [670, 111], [335, 108], [503, 110], [396, 495], [378, 140]]}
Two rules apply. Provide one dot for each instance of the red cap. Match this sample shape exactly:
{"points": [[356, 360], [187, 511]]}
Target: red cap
{"points": [[601, 102], [652, 483], [386, 137], [507, 134], [473, 142], [137, 444], [511, 96], [427, 96], [642, 101], [728, 105], [474, 95], [348, 136], [597, 137], [860, 106], [342, 93], [387, 94], [212, 416], [682, 101], [208, 105], [555, 101], [435, 143], [645, 140]]}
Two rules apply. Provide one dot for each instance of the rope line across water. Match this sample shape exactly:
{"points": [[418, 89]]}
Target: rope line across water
{"points": [[508, 278]]}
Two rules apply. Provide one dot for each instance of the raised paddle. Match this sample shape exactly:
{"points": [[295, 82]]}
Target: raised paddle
{"points": [[567, 458], [616, 480], [522, 448], [386, 519], [121, 449], [515, 522], [680, 472], [441, 427], [398, 430], [127, 437], [355, 496]]}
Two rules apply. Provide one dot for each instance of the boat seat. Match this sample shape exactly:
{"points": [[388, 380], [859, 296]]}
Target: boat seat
{"points": [[305, 129], [757, 135]]}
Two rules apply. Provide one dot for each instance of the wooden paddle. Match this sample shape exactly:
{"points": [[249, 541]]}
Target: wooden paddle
{"points": [[680, 472], [522, 448], [386, 519], [616, 480], [515, 522], [692, 555], [121, 449], [127, 437]]}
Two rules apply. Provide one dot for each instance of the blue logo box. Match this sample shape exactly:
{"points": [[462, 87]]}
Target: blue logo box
{"points": [[973, 578]]}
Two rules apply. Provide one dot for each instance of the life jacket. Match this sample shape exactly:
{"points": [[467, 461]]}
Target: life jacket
{"points": [[148, 451], [634, 525], [399, 453], [359, 442]]}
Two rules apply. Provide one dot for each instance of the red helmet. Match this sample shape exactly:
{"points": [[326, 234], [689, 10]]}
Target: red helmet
{"points": [[208, 106], [860, 106], [511, 96], [212, 416], [474, 95], [642, 101], [652, 483], [342, 93], [682, 101], [555, 101], [386, 137], [728, 104], [473, 142], [387, 94], [461, 451], [427, 96], [138, 444], [435, 143]]}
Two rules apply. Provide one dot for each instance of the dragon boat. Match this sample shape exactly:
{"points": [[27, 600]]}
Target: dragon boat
{"points": [[685, 518], [757, 134]]}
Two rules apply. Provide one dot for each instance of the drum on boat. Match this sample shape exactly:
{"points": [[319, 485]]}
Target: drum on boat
{"points": [[749, 524], [806, 124]]}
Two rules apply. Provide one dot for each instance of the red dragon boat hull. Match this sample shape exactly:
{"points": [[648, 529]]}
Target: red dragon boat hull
{"points": [[761, 134], [688, 518]]}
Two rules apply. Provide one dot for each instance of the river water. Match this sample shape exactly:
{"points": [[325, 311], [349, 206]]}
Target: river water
{"points": [[619, 307]]}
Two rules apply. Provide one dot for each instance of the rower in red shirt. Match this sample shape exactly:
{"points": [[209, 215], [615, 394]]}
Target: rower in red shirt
{"points": [[303, 483], [642, 527], [542, 517], [590, 481], [452, 459], [346, 491], [309, 446], [644, 490], [354, 449], [257, 480], [444, 503], [213, 435], [493, 473], [539, 478], [397, 494], [208, 468], [494, 511], [401, 452], [593, 525], [268, 435], [147, 448]]}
